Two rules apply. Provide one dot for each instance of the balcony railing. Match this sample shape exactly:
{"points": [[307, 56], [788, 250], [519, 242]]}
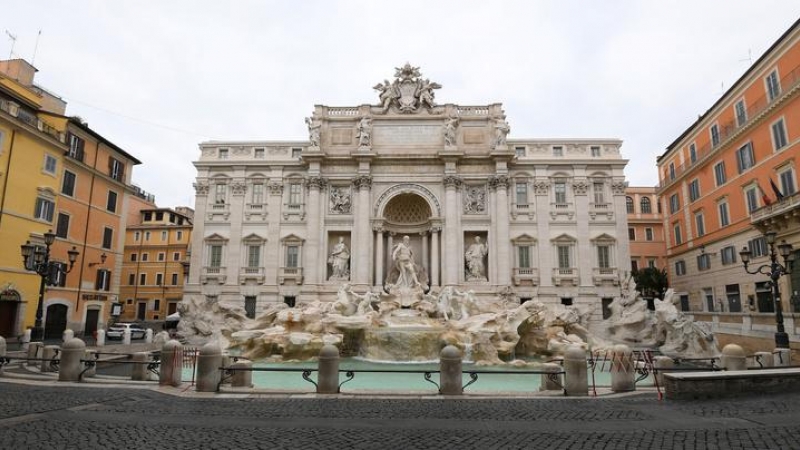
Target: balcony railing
{"points": [[251, 273], [213, 273], [23, 116], [779, 208], [525, 275], [602, 275], [561, 274], [290, 274]]}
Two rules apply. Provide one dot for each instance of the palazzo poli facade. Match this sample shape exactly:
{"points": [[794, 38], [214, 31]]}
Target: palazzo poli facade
{"points": [[291, 221]]}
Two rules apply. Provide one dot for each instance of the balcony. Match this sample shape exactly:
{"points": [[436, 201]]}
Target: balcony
{"points": [[219, 211], [30, 119], [524, 210], [605, 275], [601, 209], [565, 274], [214, 275], [293, 274], [294, 210], [562, 209], [526, 276], [255, 274], [255, 211], [780, 215]]}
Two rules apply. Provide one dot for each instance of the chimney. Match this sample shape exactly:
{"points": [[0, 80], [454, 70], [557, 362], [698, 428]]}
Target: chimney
{"points": [[19, 70]]}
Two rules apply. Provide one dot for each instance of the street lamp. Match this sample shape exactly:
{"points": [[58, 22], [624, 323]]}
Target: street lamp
{"points": [[37, 259], [774, 270]]}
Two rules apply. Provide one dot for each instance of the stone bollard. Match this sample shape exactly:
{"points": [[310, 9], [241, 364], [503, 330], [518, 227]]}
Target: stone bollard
{"points": [[101, 338], [148, 336], [171, 363], [26, 340], [70, 367], [161, 338], [139, 370], [782, 357], [328, 375], [662, 365], [48, 354], [546, 383], [623, 373], [450, 373], [227, 360], [733, 358], [576, 379], [67, 335], [766, 360], [243, 378], [2, 351], [209, 361], [92, 356], [33, 352], [126, 337]]}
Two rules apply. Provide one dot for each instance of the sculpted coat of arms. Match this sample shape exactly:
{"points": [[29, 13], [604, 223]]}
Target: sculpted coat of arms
{"points": [[409, 92]]}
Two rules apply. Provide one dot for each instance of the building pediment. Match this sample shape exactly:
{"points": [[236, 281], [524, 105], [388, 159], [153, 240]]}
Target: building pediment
{"points": [[215, 238]]}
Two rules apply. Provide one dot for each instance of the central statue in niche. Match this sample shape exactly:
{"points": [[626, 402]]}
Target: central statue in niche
{"points": [[407, 281]]}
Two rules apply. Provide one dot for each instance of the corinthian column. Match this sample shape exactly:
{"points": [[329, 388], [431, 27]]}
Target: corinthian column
{"points": [[311, 262], [363, 231], [435, 256], [500, 184], [452, 256]]}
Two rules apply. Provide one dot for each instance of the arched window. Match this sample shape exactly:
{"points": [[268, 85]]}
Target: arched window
{"points": [[629, 204], [645, 205]]}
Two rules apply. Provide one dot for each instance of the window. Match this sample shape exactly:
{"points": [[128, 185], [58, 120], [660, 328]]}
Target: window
{"points": [[174, 279], [147, 236], [156, 304], [522, 193], [159, 279], [599, 194], [220, 194], [68, 183], [76, 145], [787, 182], [629, 204], [145, 257], [50, 163], [44, 209], [223, 153], [632, 233], [250, 306], [179, 235], [566, 301], [131, 279], [108, 237], [751, 198], [758, 247], [680, 267], [563, 257], [519, 151], [719, 173], [133, 257], [773, 85], [524, 257], [103, 281], [176, 256], [634, 265], [724, 219], [700, 224], [116, 169], [779, 138], [595, 151], [558, 151], [289, 300], [148, 216], [692, 152], [645, 205], [728, 255], [603, 257], [734, 297], [714, 135], [560, 190], [62, 225], [694, 190], [745, 158], [258, 193], [215, 255], [292, 256], [678, 235], [295, 193], [741, 113], [111, 203], [651, 263], [136, 236], [163, 236], [142, 279], [297, 153], [161, 256], [648, 234], [253, 256], [57, 276], [258, 153], [674, 203], [671, 171], [703, 261]]}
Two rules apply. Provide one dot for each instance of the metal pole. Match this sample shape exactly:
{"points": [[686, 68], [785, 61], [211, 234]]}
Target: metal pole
{"points": [[781, 338], [37, 334]]}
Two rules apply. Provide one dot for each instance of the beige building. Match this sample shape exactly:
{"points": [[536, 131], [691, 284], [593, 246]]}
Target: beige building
{"points": [[287, 221], [645, 228]]}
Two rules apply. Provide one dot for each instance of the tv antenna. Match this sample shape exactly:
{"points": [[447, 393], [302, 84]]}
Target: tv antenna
{"points": [[749, 58], [13, 42], [36, 47]]}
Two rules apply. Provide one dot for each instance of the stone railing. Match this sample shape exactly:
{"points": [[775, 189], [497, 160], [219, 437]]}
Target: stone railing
{"points": [[761, 325], [524, 275], [561, 274], [602, 275], [290, 274], [473, 111], [343, 111], [251, 273], [213, 273], [780, 207]]}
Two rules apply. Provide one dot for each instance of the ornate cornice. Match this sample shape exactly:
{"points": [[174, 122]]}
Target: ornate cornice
{"points": [[201, 188], [580, 187], [316, 182], [452, 181], [276, 188], [618, 187], [498, 182], [362, 182], [541, 187], [238, 187]]}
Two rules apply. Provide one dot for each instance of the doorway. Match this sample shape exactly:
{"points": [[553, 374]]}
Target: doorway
{"points": [[92, 316], [8, 318], [56, 322], [141, 310]]}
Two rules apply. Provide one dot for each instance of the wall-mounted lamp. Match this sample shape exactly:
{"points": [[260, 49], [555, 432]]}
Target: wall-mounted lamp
{"points": [[102, 260], [703, 250]]}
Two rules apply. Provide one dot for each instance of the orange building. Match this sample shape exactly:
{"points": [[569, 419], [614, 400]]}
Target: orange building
{"points": [[645, 228], [717, 193], [153, 273]]}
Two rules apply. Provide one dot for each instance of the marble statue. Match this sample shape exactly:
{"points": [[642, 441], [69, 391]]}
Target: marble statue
{"points": [[387, 94], [476, 252], [475, 200], [339, 260], [364, 133], [501, 130], [340, 200], [403, 257], [313, 131], [425, 92], [450, 131], [409, 92]]}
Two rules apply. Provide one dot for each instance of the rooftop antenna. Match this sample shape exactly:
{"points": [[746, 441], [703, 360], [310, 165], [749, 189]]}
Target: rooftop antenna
{"points": [[749, 58], [35, 48], [13, 42]]}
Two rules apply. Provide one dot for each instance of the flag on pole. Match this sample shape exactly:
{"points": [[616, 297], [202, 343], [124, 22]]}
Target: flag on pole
{"points": [[764, 198], [775, 189]]}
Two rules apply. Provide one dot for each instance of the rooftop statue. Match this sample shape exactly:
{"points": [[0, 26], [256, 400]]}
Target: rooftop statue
{"points": [[409, 92]]}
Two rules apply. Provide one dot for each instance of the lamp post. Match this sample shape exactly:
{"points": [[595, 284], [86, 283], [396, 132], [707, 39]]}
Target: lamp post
{"points": [[36, 258], [774, 270]]}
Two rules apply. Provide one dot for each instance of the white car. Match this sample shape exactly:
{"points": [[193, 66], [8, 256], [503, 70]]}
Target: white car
{"points": [[117, 330]]}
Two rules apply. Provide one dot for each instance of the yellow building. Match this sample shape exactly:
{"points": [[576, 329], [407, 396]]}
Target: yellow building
{"points": [[154, 264], [31, 166]]}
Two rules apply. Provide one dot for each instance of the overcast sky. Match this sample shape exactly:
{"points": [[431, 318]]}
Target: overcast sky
{"points": [[158, 77]]}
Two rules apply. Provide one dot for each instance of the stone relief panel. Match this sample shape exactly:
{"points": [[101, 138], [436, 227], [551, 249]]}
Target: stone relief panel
{"points": [[408, 93], [339, 200], [407, 188], [474, 198]]}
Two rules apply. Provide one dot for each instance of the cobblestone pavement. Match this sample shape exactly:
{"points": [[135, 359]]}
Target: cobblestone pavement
{"points": [[70, 417]]}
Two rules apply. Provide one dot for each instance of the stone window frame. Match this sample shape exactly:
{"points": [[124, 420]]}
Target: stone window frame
{"points": [[565, 240], [528, 241], [778, 146], [253, 240], [604, 240]]}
